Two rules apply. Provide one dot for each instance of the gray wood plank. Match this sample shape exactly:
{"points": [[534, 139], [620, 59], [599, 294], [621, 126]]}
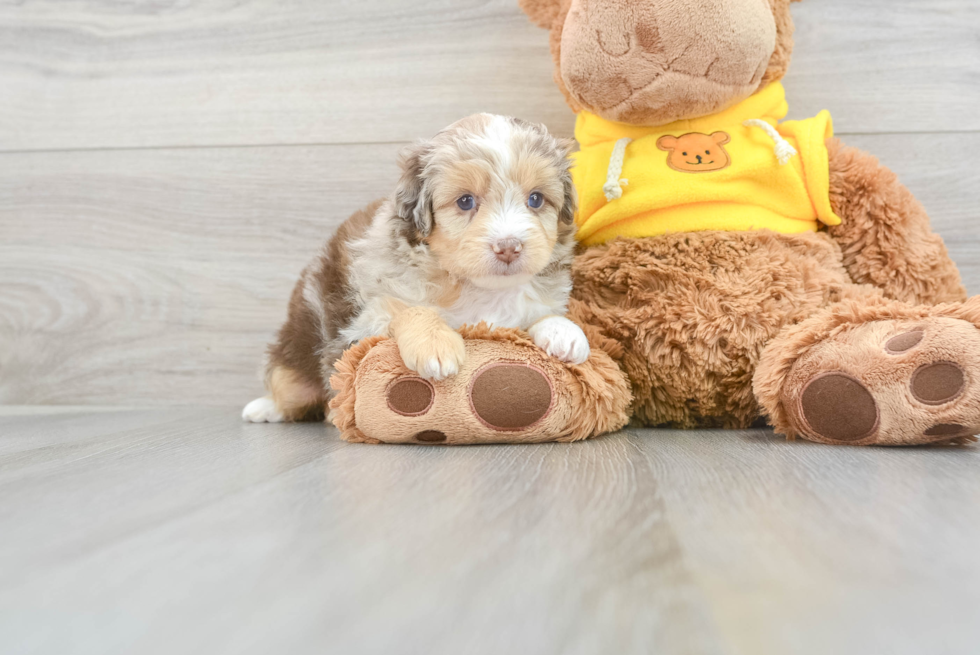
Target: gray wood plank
{"points": [[187, 531], [154, 278], [100, 74], [906, 66], [200, 534], [106, 74], [160, 277], [807, 549]]}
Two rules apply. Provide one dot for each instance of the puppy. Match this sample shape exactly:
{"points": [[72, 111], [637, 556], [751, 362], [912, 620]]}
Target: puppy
{"points": [[480, 228]]}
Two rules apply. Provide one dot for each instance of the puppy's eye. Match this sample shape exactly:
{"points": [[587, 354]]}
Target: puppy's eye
{"points": [[535, 200], [466, 203]]}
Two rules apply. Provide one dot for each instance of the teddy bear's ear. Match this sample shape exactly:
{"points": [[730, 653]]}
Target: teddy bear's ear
{"points": [[542, 12], [667, 143], [721, 138]]}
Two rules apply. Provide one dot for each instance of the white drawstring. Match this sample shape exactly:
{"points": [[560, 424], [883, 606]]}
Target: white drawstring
{"points": [[784, 151], [613, 188]]}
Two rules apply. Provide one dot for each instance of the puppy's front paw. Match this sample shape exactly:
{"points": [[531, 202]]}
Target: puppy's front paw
{"points": [[436, 356], [561, 338]]}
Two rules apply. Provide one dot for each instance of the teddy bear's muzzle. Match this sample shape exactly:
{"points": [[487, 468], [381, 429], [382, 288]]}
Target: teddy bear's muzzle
{"points": [[654, 62]]}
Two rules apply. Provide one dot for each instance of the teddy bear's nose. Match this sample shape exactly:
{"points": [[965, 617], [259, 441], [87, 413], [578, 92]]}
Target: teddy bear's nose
{"points": [[699, 158]]}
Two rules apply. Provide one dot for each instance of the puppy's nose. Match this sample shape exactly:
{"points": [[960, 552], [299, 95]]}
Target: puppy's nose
{"points": [[508, 250]]}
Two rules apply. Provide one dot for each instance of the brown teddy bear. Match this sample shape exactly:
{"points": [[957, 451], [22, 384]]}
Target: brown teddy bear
{"points": [[735, 267], [793, 278]]}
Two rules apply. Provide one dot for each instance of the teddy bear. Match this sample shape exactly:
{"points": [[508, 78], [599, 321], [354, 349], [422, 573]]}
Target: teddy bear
{"points": [[735, 269], [759, 269]]}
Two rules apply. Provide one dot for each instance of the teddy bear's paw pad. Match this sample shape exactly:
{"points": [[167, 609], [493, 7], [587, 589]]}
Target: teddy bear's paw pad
{"points": [[904, 342], [431, 436], [839, 408], [939, 383], [510, 396], [410, 396], [949, 431]]}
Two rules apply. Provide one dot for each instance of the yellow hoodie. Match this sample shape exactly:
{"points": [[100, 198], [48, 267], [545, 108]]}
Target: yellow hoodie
{"points": [[737, 170]]}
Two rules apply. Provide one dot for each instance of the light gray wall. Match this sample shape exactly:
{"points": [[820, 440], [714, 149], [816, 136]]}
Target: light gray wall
{"points": [[167, 170]]}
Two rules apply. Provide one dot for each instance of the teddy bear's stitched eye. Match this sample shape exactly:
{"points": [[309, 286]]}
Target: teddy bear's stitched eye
{"points": [[707, 152], [685, 154], [466, 203], [535, 200]]}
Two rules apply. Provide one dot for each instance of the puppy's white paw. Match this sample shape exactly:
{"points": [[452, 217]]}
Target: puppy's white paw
{"points": [[262, 410], [561, 338], [436, 358]]}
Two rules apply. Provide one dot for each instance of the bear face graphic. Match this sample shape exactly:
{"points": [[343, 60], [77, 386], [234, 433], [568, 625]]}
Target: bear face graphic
{"points": [[696, 153]]}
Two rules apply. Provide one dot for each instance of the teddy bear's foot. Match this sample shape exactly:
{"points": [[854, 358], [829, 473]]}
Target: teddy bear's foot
{"points": [[508, 390], [899, 381]]}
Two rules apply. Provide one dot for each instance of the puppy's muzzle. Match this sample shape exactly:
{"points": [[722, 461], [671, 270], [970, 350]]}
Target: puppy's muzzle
{"points": [[508, 250]]}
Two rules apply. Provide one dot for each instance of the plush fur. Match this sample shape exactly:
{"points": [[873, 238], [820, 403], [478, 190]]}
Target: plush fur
{"points": [[886, 238], [693, 313], [480, 228], [722, 329]]}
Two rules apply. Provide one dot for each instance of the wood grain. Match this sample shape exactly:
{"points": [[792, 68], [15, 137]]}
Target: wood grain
{"points": [[203, 521], [159, 278], [98, 74], [906, 66], [807, 549], [187, 531], [153, 278]]}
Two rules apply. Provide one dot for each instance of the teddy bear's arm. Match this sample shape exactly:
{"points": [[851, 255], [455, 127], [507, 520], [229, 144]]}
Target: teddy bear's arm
{"points": [[885, 233]]}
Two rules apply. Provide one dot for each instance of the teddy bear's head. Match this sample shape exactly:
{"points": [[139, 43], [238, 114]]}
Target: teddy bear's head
{"points": [[652, 62]]}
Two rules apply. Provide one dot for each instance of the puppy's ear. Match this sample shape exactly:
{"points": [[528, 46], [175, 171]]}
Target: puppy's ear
{"points": [[569, 205], [413, 202]]}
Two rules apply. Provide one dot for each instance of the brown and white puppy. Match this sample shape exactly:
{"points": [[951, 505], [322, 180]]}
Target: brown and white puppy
{"points": [[480, 228]]}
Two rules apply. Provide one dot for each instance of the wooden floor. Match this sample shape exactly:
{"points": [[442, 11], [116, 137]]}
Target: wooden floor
{"points": [[166, 531]]}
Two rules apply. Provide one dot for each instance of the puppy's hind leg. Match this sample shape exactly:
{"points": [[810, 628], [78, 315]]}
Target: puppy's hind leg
{"points": [[291, 398], [262, 410]]}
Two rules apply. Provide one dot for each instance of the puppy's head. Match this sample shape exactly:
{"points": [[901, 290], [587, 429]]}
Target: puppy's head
{"points": [[491, 197]]}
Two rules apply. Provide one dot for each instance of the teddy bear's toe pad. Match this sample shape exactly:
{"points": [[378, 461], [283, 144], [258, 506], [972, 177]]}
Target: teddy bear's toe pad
{"points": [[904, 342], [948, 431], [889, 382], [839, 408], [938, 384], [410, 396], [510, 396], [431, 436]]}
